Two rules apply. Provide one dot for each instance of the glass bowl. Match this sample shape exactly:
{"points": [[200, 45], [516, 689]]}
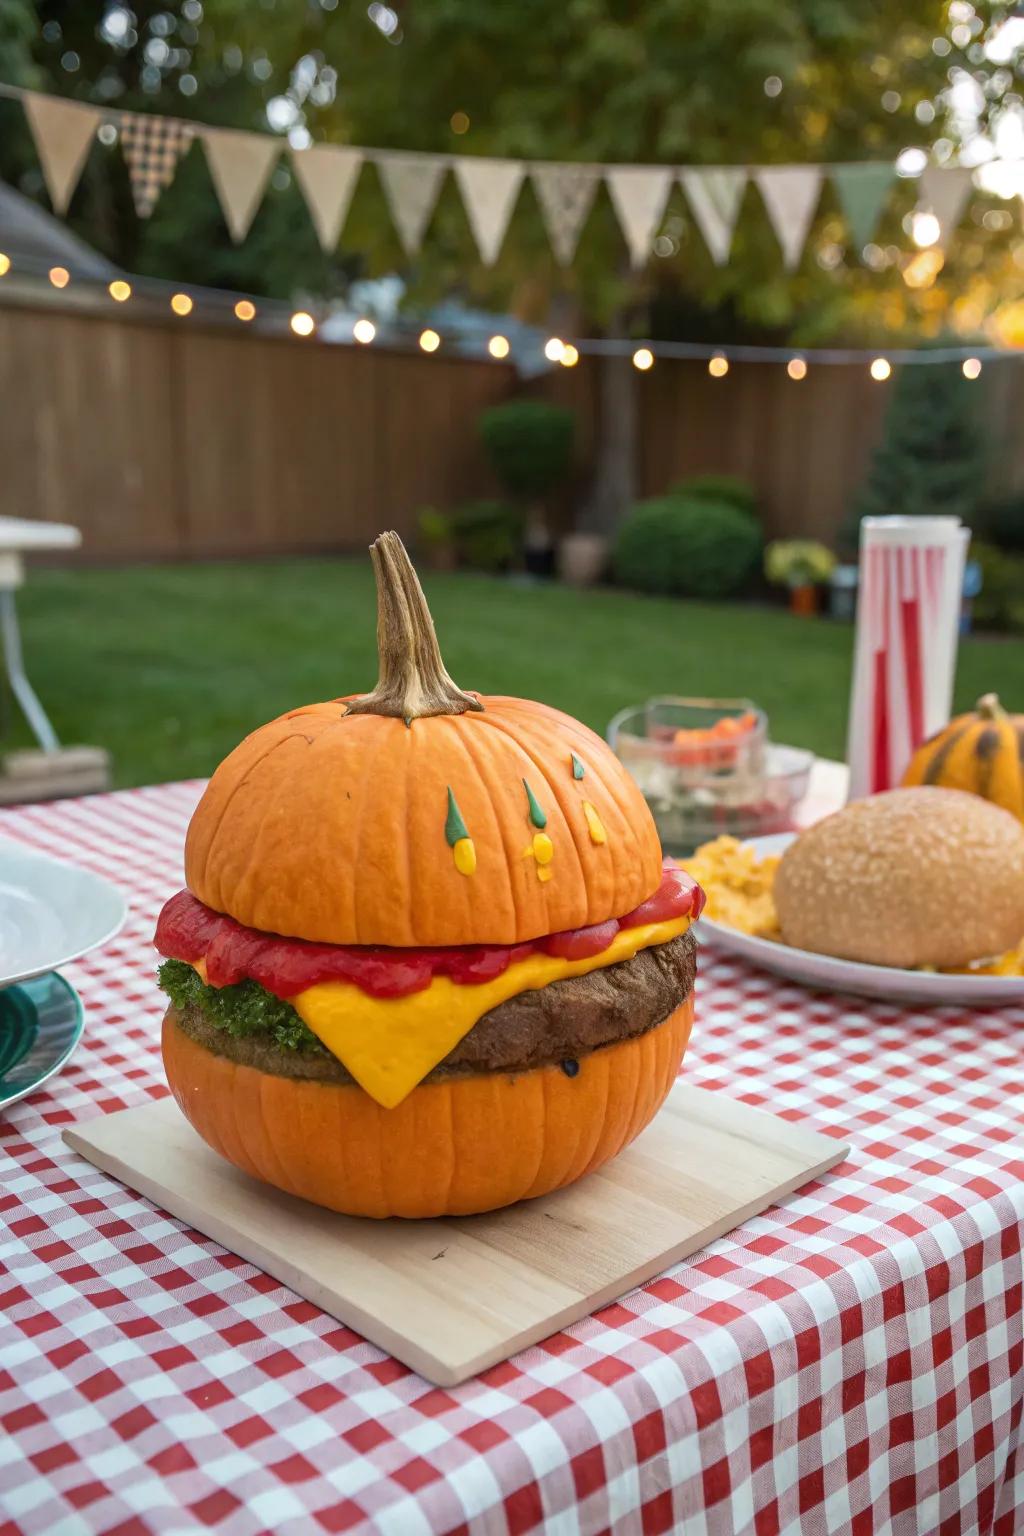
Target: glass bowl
{"points": [[704, 784]]}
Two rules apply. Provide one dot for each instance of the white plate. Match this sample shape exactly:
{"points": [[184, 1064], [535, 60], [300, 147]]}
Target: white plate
{"points": [[50, 913], [830, 975]]}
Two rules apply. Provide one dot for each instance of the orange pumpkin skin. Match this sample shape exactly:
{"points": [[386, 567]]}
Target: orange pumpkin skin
{"points": [[331, 826], [451, 1148]]}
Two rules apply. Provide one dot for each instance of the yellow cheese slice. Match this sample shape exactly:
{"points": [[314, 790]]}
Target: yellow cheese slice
{"points": [[389, 1044]]}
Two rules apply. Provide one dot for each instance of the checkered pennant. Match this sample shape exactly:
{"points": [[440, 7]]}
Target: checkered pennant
{"points": [[152, 147]]}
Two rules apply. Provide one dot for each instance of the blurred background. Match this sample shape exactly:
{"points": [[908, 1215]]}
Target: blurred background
{"points": [[621, 312]]}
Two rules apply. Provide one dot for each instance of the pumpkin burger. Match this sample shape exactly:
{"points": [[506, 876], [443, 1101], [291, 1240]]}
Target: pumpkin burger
{"points": [[429, 959]]}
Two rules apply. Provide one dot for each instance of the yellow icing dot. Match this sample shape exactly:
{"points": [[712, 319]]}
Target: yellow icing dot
{"points": [[543, 849], [544, 874], [597, 831], [465, 856]]}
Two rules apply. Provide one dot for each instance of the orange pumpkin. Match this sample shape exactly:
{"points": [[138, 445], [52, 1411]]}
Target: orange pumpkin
{"points": [[981, 752], [451, 1148], [419, 814]]}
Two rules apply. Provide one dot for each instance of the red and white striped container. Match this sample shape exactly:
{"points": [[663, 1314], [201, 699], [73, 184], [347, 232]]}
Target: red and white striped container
{"points": [[908, 620]]}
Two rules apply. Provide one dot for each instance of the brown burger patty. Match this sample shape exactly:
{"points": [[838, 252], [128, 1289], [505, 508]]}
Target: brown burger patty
{"points": [[551, 1025]]}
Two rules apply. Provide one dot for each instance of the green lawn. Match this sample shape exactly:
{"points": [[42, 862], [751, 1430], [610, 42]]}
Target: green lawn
{"points": [[169, 666]]}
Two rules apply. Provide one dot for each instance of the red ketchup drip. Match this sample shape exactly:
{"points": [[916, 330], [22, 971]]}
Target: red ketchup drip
{"points": [[188, 930]]}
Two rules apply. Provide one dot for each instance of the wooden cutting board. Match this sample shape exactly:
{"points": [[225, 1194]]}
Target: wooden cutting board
{"points": [[451, 1297]]}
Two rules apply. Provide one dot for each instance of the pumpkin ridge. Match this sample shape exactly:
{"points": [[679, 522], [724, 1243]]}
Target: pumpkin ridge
{"points": [[944, 752], [232, 793], [468, 752], [364, 801]]}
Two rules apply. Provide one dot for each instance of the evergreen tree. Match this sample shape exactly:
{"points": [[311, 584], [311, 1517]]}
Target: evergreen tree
{"points": [[931, 459]]}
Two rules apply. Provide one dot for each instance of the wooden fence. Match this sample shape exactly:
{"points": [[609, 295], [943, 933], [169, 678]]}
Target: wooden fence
{"points": [[171, 440]]}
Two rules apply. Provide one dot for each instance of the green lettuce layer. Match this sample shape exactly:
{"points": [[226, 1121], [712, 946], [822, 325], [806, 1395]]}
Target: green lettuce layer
{"points": [[245, 1009]]}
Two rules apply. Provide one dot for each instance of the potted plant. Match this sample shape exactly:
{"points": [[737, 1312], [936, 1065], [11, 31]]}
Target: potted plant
{"points": [[802, 565]]}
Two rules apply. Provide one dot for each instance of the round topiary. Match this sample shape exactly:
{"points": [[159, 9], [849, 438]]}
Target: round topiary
{"points": [[731, 488], [696, 548]]}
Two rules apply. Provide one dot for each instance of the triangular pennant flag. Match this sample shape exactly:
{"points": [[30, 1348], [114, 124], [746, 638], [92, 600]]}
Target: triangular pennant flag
{"points": [[715, 194], [790, 195], [63, 132], [327, 174], [862, 190], [945, 190], [240, 164], [152, 147], [489, 190], [411, 185], [565, 193], [639, 194]]}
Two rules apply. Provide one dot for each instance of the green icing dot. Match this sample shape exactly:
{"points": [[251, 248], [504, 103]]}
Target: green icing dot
{"points": [[454, 827], [577, 767], [537, 816]]}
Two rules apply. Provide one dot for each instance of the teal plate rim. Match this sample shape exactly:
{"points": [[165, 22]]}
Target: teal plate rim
{"points": [[31, 1000]]}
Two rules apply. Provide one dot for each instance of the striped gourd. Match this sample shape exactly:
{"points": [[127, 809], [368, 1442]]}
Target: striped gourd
{"points": [[981, 752]]}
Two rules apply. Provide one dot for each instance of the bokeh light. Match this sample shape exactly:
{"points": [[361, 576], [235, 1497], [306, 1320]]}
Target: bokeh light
{"points": [[302, 323], [59, 277], [429, 340], [643, 358], [119, 290], [796, 368], [245, 310], [181, 304], [971, 367], [880, 369], [364, 331], [718, 366], [498, 346]]}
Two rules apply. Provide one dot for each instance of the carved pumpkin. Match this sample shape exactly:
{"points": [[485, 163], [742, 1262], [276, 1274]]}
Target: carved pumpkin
{"points": [[419, 814], [981, 752], [419, 820]]}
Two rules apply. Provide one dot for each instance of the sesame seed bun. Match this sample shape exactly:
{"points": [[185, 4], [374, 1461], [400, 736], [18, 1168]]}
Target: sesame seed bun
{"points": [[915, 877]]}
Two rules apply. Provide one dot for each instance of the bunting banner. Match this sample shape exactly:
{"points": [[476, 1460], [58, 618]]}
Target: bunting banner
{"points": [[489, 190], [791, 194], [639, 194], [240, 165], [565, 192], [327, 175], [411, 185], [944, 191], [152, 147], [715, 194], [862, 191], [63, 132]]}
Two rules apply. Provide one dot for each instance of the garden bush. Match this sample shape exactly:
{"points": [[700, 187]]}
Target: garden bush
{"points": [[529, 444], [730, 488], [693, 547], [1000, 603], [488, 535]]}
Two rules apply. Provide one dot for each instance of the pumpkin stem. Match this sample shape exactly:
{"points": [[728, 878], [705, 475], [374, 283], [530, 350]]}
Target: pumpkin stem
{"points": [[989, 707], [413, 682]]}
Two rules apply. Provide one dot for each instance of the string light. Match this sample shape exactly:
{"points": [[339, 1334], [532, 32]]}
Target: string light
{"points": [[880, 369], [59, 276], [119, 290], [553, 349], [245, 310], [796, 368], [459, 122], [570, 357], [643, 358], [302, 323], [364, 331], [498, 347], [971, 367], [5, 264], [925, 229], [429, 341], [718, 366], [181, 304]]}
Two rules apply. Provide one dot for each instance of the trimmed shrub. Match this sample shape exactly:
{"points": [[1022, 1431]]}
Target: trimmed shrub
{"points": [[1000, 603], [488, 535], [730, 488], [695, 548], [529, 444]]}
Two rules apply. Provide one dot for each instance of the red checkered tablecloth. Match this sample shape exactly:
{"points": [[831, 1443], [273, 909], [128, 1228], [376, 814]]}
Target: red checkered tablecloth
{"points": [[849, 1362]]}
